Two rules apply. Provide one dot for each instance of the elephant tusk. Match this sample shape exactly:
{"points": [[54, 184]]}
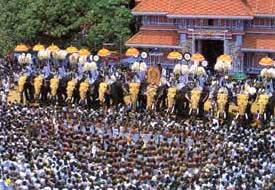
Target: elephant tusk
{"points": [[237, 116], [246, 116]]}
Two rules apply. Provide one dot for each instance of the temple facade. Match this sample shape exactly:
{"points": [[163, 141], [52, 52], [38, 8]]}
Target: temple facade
{"points": [[244, 29]]}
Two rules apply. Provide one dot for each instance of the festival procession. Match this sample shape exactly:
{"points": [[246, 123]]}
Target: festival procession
{"points": [[65, 77], [137, 95]]}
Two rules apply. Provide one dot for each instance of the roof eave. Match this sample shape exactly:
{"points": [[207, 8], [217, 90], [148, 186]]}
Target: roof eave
{"points": [[258, 50], [138, 13], [152, 46], [265, 15], [210, 16]]}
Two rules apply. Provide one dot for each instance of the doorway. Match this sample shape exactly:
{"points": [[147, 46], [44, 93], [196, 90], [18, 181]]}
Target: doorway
{"points": [[211, 50]]}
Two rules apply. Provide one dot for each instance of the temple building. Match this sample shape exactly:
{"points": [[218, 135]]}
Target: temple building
{"points": [[244, 29]]}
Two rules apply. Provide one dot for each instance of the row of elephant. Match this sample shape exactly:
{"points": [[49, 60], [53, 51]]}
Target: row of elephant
{"points": [[219, 102]]}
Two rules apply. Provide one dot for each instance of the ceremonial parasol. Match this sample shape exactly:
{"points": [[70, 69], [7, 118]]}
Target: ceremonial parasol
{"points": [[197, 57], [132, 52], [266, 61], [53, 48], [38, 47], [104, 52], [174, 55], [239, 76], [84, 52], [225, 58], [72, 49], [21, 48]]}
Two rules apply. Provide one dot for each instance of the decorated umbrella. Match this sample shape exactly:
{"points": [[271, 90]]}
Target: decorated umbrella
{"points": [[266, 61], [104, 52], [53, 48], [84, 52], [38, 47], [225, 58], [72, 49], [239, 76], [197, 57], [174, 55], [132, 52], [21, 48]]}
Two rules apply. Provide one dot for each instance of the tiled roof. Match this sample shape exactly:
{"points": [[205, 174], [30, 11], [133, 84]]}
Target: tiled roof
{"points": [[202, 8], [211, 8], [259, 41], [262, 7], [153, 39]]}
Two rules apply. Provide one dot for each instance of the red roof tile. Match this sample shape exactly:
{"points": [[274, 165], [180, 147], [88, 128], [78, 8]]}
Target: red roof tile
{"points": [[154, 6], [153, 39], [208, 8], [212, 8], [259, 41], [262, 7]]}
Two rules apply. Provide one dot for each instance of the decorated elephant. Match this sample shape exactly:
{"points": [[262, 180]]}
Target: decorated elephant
{"points": [[83, 91], [103, 87], [54, 83], [222, 101], [151, 93], [132, 96], [259, 106], [171, 98], [194, 99], [38, 82], [70, 90]]}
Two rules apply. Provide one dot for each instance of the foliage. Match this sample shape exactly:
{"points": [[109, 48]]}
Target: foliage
{"points": [[65, 22]]}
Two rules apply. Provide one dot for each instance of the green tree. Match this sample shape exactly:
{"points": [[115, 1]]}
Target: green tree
{"points": [[62, 21]]}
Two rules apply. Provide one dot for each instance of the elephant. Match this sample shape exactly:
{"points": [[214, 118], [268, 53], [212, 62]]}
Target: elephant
{"points": [[70, 90], [194, 99], [142, 97], [181, 101], [38, 82], [83, 91], [271, 105], [25, 88], [242, 103], [62, 89], [161, 97], [54, 83], [259, 106], [222, 102], [46, 88], [151, 93], [103, 87], [132, 91], [171, 98], [116, 93]]}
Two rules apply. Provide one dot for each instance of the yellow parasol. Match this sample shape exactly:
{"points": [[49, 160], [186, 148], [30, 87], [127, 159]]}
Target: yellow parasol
{"points": [[53, 48], [104, 52], [132, 52], [225, 58], [266, 61], [174, 55], [197, 57], [72, 49], [84, 52], [21, 48], [38, 47]]}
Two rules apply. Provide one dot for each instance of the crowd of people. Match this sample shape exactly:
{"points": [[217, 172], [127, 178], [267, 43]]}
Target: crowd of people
{"points": [[75, 147]]}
